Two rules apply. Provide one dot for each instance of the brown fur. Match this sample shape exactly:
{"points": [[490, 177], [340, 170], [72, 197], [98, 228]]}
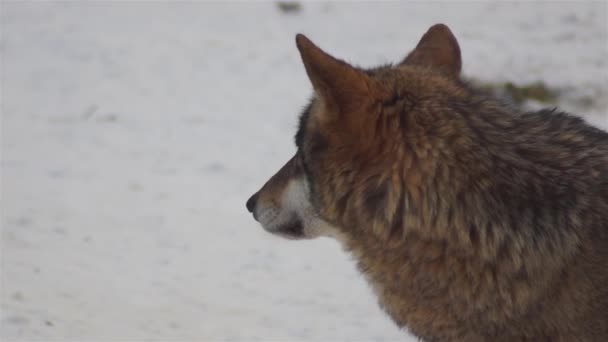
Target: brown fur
{"points": [[471, 220]]}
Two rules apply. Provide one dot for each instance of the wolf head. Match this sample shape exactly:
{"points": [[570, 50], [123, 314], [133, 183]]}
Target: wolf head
{"points": [[467, 216], [351, 144]]}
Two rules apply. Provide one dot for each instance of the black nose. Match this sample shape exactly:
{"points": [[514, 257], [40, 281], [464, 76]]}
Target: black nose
{"points": [[251, 202]]}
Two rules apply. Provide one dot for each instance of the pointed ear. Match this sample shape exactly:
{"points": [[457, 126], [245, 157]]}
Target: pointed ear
{"points": [[439, 49], [340, 86]]}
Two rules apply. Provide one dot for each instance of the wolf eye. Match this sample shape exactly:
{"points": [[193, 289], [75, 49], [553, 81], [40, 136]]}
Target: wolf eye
{"points": [[301, 160]]}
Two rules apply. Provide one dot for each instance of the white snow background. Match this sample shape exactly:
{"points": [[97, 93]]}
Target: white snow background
{"points": [[133, 133]]}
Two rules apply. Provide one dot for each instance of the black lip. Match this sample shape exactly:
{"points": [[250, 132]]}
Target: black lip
{"points": [[293, 230]]}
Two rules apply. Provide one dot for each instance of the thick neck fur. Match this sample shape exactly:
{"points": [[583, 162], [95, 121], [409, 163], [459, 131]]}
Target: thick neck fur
{"points": [[472, 217]]}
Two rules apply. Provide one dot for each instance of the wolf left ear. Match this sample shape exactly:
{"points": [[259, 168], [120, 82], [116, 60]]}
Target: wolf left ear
{"points": [[340, 86], [438, 48]]}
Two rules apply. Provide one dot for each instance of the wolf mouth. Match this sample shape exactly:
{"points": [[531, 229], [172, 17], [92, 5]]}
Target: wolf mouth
{"points": [[271, 222], [293, 230]]}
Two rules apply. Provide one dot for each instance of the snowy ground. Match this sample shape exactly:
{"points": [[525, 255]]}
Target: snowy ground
{"points": [[132, 134]]}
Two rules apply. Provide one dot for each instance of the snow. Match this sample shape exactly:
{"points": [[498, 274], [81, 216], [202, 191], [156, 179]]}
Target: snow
{"points": [[132, 134]]}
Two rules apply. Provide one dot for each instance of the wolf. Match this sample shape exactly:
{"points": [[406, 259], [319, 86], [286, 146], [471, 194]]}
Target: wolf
{"points": [[471, 219]]}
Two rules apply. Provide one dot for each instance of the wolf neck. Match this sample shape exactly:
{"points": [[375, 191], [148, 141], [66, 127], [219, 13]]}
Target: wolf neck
{"points": [[444, 260]]}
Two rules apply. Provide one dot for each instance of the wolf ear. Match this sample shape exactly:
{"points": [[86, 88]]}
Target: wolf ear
{"points": [[340, 86], [439, 49]]}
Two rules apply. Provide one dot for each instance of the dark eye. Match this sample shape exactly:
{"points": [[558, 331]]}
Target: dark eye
{"points": [[301, 160]]}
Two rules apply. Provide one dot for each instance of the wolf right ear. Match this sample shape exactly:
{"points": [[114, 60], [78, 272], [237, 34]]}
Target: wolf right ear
{"points": [[438, 48], [340, 86]]}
